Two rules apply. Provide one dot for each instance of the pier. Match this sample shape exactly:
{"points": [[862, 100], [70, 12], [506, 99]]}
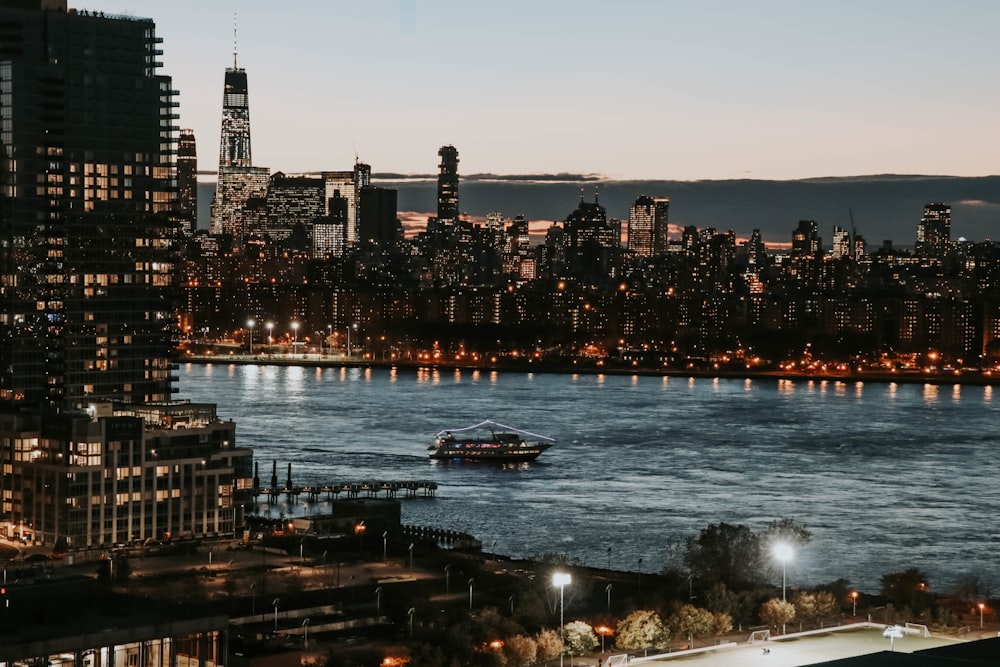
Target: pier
{"points": [[369, 489], [362, 489]]}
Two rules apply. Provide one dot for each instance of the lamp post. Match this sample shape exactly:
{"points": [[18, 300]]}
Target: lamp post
{"points": [[253, 599], [329, 335], [305, 639], [602, 630], [411, 555], [560, 579], [295, 336], [250, 324], [471, 582], [447, 581], [378, 600], [270, 333], [385, 546], [608, 591], [854, 603], [410, 613], [981, 607], [277, 601], [783, 552]]}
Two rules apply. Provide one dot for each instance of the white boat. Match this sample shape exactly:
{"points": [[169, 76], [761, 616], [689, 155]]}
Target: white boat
{"points": [[488, 441]]}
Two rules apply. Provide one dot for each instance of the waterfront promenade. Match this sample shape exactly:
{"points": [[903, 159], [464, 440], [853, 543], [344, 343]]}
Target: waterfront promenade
{"points": [[972, 377]]}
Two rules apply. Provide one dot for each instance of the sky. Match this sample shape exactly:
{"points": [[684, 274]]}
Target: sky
{"points": [[664, 89]]}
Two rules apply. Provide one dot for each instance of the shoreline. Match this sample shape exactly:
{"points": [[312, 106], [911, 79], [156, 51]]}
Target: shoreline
{"points": [[971, 378]]}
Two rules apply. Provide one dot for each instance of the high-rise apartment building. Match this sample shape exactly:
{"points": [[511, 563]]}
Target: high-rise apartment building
{"points": [[934, 231], [187, 181], [291, 201], [648, 225], [447, 190], [87, 255], [93, 450]]}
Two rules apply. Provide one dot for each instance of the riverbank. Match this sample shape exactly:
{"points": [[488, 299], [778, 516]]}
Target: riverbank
{"points": [[963, 377]]}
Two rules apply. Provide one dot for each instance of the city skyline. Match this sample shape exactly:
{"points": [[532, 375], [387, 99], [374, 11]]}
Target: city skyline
{"points": [[776, 91]]}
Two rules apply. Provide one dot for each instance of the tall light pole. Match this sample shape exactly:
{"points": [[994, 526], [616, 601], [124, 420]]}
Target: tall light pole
{"points": [[783, 552], [378, 600], [608, 590], [250, 324], [329, 335], [411, 555], [981, 607], [385, 546], [471, 582], [253, 599], [270, 333], [560, 579], [854, 603], [277, 601], [305, 639], [295, 335], [447, 579]]}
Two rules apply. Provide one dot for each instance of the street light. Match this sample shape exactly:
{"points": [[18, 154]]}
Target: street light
{"points": [[854, 601], [447, 579], [783, 552], [295, 335], [385, 546], [253, 599], [560, 579], [270, 333], [410, 613], [305, 639], [378, 600], [250, 324], [277, 601], [411, 555], [602, 630], [981, 606], [471, 582], [608, 591]]}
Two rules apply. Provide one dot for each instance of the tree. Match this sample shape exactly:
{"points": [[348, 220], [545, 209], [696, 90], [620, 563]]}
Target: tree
{"points": [[814, 606], [907, 589], [724, 553], [521, 650], [691, 621], [641, 629], [777, 612], [579, 638], [549, 645], [722, 623]]}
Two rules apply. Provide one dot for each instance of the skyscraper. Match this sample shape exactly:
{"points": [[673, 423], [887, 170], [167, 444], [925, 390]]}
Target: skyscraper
{"points": [[648, 225], [447, 191], [187, 181], [934, 231], [239, 181]]}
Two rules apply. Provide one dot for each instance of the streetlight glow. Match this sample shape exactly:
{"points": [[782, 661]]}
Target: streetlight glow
{"points": [[783, 552]]}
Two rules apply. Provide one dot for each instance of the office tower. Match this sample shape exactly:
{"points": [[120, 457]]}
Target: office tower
{"points": [[648, 225], [934, 231], [377, 220], [93, 450], [841, 243], [592, 242], [187, 181], [447, 212], [238, 180], [346, 184], [328, 232], [291, 201]]}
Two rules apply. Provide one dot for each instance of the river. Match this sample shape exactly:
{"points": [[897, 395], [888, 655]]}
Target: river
{"points": [[885, 476]]}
